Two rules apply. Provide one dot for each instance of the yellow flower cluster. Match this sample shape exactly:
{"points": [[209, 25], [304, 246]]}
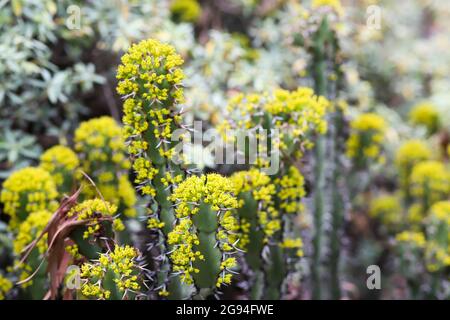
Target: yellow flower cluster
{"points": [[150, 76], [127, 196], [216, 192], [150, 70], [170, 180], [154, 223], [293, 243], [335, 4], [28, 190], [92, 210], [417, 239], [150, 82], [416, 213], [425, 114], [367, 134], [121, 265], [183, 257], [61, 162], [441, 212], [243, 108], [437, 252], [261, 189], [30, 229], [409, 154], [425, 187], [297, 115], [101, 145], [291, 190], [300, 108], [253, 180], [186, 10], [144, 176], [5, 286], [98, 141], [88, 208], [437, 257], [74, 251], [431, 181], [163, 293], [225, 276], [212, 189], [386, 208]]}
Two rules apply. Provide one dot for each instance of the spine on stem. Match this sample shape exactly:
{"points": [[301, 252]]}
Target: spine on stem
{"points": [[319, 74]]}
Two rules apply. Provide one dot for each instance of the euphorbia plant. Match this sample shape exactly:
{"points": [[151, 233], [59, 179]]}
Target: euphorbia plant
{"points": [[150, 81]]}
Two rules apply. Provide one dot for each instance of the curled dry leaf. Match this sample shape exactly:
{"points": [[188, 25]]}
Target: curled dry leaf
{"points": [[58, 229]]}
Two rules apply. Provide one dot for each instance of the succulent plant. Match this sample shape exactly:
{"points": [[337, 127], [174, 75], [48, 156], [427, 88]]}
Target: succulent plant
{"points": [[205, 235]]}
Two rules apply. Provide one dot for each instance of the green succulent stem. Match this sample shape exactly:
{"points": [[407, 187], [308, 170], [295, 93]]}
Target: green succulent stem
{"points": [[275, 272], [319, 70], [256, 236], [206, 223], [86, 248], [257, 290], [337, 210], [177, 290], [337, 213], [318, 215], [253, 250]]}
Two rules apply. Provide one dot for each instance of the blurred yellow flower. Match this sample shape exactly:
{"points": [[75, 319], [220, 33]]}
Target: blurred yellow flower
{"points": [[425, 114]]}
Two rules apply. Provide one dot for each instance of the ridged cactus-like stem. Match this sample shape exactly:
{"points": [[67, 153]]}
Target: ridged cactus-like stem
{"points": [[319, 74], [205, 235], [297, 116], [257, 285], [117, 274], [337, 209], [256, 213], [318, 215], [337, 212], [286, 247], [206, 222], [275, 272], [150, 82]]}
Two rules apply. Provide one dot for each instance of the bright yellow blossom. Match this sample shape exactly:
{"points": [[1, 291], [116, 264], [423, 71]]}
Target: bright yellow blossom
{"points": [[120, 266], [30, 229], [28, 190], [61, 162], [430, 181], [387, 208], [5, 286], [425, 114], [366, 138]]}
